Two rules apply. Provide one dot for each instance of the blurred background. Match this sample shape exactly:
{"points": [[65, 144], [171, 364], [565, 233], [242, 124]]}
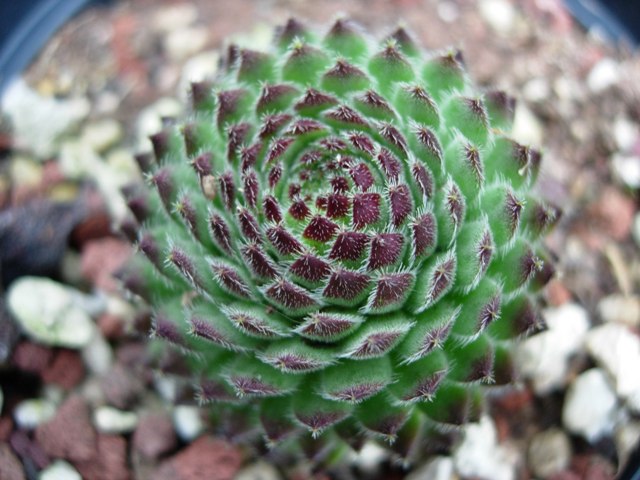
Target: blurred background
{"points": [[91, 81]]}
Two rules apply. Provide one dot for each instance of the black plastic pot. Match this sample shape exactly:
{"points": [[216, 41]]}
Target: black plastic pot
{"points": [[25, 26], [618, 20]]}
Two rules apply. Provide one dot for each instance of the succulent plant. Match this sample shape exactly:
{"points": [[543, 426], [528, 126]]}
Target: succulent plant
{"points": [[342, 239]]}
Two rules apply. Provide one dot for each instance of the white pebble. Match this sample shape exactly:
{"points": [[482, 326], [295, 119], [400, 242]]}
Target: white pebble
{"points": [[102, 134], [259, 470], [617, 350], [480, 456], [549, 452], [149, 121], [527, 128], [590, 406], [448, 12], [544, 357], [173, 17], [28, 414], [438, 468], [98, 355], [626, 133], [181, 44], [59, 470], [499, 14], [627, 437], [39, 121], [619, 308], [201, 67], [626, 168], [369, 458], [187, 422], [50, 313], [603, 75], [112, 420], [537, 89]]}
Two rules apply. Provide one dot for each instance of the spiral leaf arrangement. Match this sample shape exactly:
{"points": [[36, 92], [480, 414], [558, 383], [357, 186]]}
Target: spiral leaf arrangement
{"points": [[342, 239]]}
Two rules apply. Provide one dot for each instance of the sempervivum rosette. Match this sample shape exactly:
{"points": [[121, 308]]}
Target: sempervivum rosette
{"points": [[342, 239]]}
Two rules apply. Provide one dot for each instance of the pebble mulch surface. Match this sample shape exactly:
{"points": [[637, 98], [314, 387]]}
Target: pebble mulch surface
{"points": [[82, 401]]}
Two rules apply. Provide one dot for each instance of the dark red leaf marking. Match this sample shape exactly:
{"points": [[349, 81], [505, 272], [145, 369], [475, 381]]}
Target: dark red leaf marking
{"points": [[310, 268], [338, 205], [424, 180], [401, 204], [184, 265], [349, 246], [366, 209], [272, 94], [385, 250], [441, 279], [299, 210], [426, 388], [333, 144], [376, 344], [320, 229], [258, 261], [228, 104], [339, 184], [220, 232], [205, 330], [325, 325], [253, 386], [202, 164], [272, 209], [237, 134], [291, 362], [357, 393], [305, 125], [362, 142], [392, 288], [346, 284], [275, 174], [278, 148], [164, 184], [167, 330], [346, 115], [429, 140], [251, 188], [189, 215], [344, 70], [272, 124], [393, 135], [362, 176], [314, 98], [390, 164], [376, 100], [283, 241], [424, 233], [249, 226], [227, 189], [513, 208], [231, 280], [289, 295], [249, 155], [252, 325], [149, 248], [489, 313]]}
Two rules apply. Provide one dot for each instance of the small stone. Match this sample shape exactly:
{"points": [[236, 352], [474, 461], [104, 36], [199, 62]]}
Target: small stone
{"points": [[111, 326], [499, 14], [69, 434], [590, 406], [627, 436], [603, 75], [619, 308], [25, 172], [101, 259], [150, 120], [626, 168], [536, 90], [479, 455], [172, 17], [259, 470], [187, 422], [66, 369], [549, 452], [617, 350], [181, 44], [448, 11], [438, 468], [154, 436], [109, 460], [201, 67], [10, 466], [59, 470], [28, 414], [31, 357], [112, 420], [50, 313], [370, 457], [625, 133], [207, 457], [102, 134], [527, 128], [32, 117], [121, 386], [545, 357], [98, 355]]}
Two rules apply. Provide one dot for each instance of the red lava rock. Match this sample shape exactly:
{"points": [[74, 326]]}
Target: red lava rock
{"points": [[66, 370], [109, 460], [69, 434], [111, 326], [121, 387], [614, 212], [31, 357], [556, 292], [10, 466], [29, 449], [154, 436], [564, 475], [102, 258], [6, 427], [207, 457]]}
